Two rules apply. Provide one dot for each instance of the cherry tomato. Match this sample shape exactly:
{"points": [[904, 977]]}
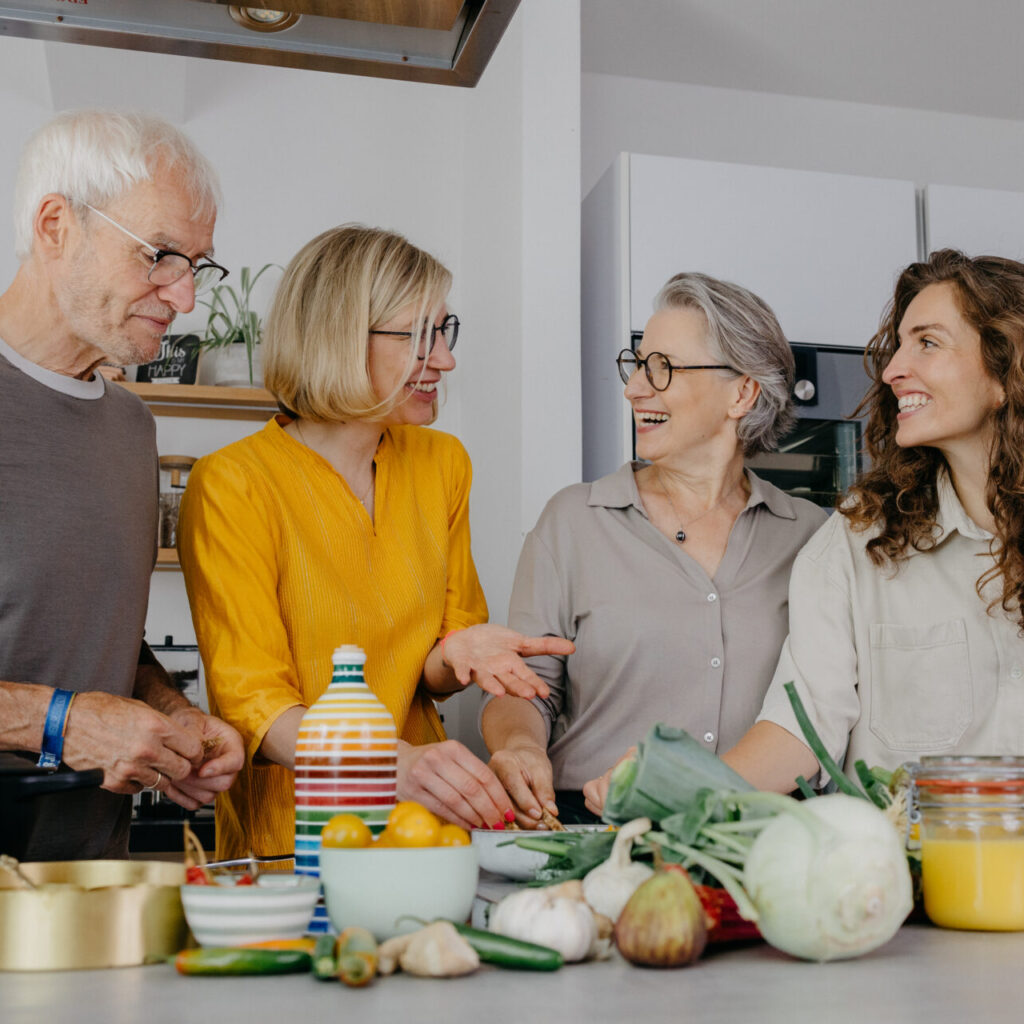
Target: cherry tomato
{"points": [[416, 827], [245, 880], [453, 835], [347, 831], [195, 875]]}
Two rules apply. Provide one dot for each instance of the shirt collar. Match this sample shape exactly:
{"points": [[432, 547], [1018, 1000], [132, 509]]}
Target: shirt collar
{"points": [[951, 516], [90, 389], [618, 490]]}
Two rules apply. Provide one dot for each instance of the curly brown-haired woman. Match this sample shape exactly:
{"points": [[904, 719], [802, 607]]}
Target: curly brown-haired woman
{"points": [[906, 615]]}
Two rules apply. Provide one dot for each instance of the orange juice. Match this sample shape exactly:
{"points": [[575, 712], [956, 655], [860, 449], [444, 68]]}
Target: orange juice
{"points": [[975, 883]]}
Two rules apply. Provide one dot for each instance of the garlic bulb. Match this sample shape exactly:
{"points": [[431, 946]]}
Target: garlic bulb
{"points": [[607, 887], [536, 915]]}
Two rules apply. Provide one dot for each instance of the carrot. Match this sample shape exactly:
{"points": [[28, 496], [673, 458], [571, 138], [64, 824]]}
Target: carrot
{"points": [[305, 944]]}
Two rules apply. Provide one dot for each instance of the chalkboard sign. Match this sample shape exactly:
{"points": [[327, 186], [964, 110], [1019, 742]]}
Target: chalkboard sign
{"points": [[175, 362]]}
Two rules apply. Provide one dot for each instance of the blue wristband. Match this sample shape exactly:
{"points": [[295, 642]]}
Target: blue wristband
{"points": [[53, 729]]}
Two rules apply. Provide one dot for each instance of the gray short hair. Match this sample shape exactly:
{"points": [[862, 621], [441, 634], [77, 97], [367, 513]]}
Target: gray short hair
{"points": [[745, 333], [94, 156]]}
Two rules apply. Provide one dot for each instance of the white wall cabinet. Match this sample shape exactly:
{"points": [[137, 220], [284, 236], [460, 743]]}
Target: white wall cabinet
{"points": [[980, 221], [821, 249]]}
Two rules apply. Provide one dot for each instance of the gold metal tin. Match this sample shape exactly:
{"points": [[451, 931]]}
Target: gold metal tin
{"points": [[91, 913]]}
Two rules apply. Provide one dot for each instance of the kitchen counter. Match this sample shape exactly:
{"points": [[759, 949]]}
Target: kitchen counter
{"points": [[924, 974]]}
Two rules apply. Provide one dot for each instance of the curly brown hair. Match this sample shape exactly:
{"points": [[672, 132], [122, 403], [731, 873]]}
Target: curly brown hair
{"points": [[899, 491]]}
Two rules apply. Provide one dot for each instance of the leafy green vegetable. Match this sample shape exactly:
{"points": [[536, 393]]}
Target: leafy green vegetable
{"points": [[665, 776]]}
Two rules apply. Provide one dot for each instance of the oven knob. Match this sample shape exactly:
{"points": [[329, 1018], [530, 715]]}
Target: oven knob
{"points": [[804, 390]]}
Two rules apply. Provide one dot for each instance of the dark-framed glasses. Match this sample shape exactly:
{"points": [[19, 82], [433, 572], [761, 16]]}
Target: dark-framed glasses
{"points": [[170, 266], [427, 336], [656, 367]]}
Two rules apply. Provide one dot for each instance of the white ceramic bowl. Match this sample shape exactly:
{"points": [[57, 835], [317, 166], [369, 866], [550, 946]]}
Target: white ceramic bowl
{"points": [[278, 906], [375, 888], [500, 855]]}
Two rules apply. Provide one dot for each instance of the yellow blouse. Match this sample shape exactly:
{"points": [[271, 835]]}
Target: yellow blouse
{"points": [[282, 564]]}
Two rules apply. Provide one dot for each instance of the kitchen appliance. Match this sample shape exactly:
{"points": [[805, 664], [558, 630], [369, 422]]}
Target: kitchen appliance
{"points": [[822, 456], [446, 42], [156, 820]]}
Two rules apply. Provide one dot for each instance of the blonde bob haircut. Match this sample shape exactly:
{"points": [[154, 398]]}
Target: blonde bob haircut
{"points": [[337, 289]]}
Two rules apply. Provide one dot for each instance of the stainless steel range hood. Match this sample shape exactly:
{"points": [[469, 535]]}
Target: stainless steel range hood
{"points": [[446, 42]]}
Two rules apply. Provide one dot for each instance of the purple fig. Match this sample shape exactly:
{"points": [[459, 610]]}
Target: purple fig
{"points": [[663, 924]]}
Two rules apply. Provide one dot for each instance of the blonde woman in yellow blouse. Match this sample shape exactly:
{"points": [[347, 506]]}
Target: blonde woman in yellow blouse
{"points": [[346, 521]]}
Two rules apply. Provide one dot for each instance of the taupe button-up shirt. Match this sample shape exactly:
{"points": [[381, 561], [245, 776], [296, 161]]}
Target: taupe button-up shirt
{"points": [[657, 639], [892, 666]]}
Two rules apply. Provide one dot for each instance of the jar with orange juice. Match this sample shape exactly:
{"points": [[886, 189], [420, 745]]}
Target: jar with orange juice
{"points": [[971, 816]]}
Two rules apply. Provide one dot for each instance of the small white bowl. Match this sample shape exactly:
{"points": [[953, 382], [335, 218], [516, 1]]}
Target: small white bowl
{"points": [[376, 888], [500, 855], [278, 906]]}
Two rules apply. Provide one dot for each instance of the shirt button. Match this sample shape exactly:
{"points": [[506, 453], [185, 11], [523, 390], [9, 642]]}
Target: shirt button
{"points": [[709, 737], [712, 597], [1016, 672], [715, 662]]}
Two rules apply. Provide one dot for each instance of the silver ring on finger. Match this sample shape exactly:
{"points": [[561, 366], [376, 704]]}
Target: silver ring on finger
{"points": [[159, 779]]}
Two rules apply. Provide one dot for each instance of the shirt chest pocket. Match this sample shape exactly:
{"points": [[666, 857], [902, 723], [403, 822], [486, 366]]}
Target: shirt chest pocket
{"points": [[920, 684]]}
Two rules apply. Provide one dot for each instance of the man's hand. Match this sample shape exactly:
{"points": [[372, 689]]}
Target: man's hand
{"points": [[492, 657], [135, 745], [454, 783], [525, 772], [222, 757]]}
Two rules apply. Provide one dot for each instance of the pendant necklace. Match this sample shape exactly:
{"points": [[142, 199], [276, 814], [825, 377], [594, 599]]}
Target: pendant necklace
{"points": [[366, 493], [681, 533]]}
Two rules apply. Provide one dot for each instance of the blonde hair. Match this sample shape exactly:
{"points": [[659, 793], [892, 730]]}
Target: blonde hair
{"points": [[334, 292]]}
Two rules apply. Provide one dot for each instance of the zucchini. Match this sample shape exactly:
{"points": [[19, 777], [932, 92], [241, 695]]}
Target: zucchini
{"points": [[224, 960], [502, 951], [325, 963]]}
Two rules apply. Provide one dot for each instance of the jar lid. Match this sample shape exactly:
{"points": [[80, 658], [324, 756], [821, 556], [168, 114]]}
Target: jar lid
{"points": [[969, 774], [176, 461]]}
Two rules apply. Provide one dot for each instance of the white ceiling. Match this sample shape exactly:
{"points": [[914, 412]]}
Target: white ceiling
{"points": [[954, 56]]}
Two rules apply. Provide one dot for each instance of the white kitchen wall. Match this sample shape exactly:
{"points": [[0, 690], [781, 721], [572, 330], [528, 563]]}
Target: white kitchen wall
{"points": [[668, 119], [487, 179]]}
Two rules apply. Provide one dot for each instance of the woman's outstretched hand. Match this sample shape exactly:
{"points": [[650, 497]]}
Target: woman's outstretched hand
{"points": [[492, 657]]}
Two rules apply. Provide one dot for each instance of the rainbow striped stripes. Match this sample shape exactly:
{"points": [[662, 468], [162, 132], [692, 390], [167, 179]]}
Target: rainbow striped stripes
{"points": [[346, 761]]}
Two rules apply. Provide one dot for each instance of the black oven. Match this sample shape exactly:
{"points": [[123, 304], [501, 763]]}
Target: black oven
{"points": [[822, 456]]}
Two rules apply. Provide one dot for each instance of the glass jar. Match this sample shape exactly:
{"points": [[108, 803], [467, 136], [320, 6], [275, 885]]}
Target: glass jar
{"points": [[971, 813], [174, 470]]}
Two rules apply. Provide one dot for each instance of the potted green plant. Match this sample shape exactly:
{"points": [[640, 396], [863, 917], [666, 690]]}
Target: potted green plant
{"points": [[232, 321]]}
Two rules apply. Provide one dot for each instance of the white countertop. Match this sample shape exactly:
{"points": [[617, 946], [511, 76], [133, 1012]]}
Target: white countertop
{"points": [[924, 974]]}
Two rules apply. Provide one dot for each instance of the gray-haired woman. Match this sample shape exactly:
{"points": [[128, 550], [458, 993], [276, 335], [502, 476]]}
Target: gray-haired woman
{"points": [[670, 575]]}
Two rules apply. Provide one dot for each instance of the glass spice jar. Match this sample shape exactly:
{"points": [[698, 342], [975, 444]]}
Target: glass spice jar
{"points": [[971, 816]]}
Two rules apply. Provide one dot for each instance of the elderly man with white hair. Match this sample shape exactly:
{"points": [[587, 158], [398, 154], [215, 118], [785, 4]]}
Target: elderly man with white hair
{"points": [[114, 217]]}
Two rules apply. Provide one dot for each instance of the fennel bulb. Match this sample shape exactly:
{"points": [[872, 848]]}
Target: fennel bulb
{"points": [[830, 886]]}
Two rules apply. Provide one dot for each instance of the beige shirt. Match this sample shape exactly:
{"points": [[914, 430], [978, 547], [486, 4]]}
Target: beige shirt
{"points": [[657, 639], [892, 666]]}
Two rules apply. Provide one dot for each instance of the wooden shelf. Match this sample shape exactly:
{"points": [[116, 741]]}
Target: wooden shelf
{"points": [[166, 559], [204, 401]]}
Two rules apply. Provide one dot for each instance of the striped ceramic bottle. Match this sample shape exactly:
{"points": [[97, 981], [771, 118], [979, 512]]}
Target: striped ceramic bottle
{"points": [[346, 760]]}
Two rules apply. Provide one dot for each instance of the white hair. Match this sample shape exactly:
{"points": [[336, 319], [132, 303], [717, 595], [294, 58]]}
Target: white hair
{"points": [[95, 156], [744, 333]]}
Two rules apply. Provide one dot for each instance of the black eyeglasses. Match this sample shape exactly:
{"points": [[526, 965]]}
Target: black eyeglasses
{"points": [[657, 368], [448, 328], [170, 266]]}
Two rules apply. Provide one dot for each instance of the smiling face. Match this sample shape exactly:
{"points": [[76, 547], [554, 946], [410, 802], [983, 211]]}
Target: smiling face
{"points": [[106, 301], [698, 407], [414, 386], [946, 396]]}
